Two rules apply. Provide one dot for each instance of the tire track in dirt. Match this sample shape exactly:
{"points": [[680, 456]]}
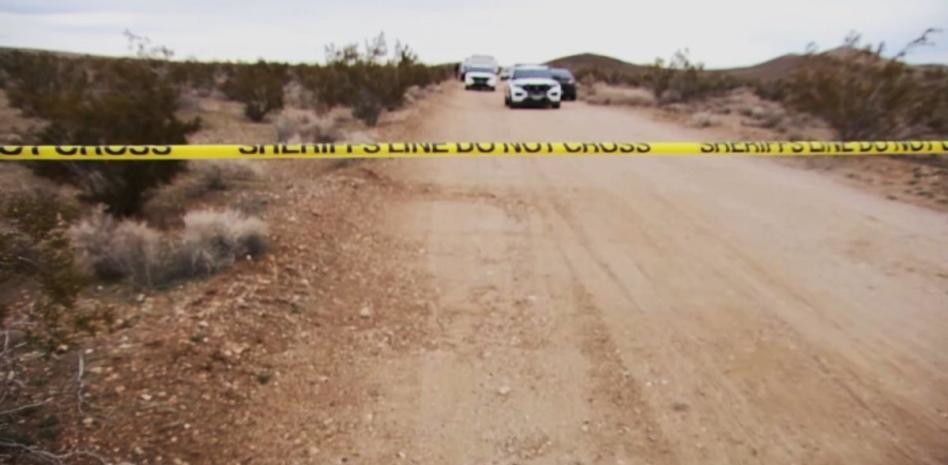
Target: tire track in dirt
{"points": [[627, 431], [605, 311]]}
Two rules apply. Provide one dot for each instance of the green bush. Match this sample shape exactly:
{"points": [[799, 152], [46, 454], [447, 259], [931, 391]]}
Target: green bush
{"points": [[678, 80], [258, 86], [199, 76], [368, 80], [122, 187], [864, 95], [92, 101], [127, 101], [34, 246], [683, 80]]}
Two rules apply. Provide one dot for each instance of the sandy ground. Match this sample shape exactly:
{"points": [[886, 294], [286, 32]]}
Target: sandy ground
{"points": [[538, 311], [699, 311]]}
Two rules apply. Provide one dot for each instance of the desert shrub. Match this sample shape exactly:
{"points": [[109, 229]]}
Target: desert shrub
{"points": [[213, 240], [770, 89], [36, 261], [199, 76], [863, 94], [684, 80], [702, 119], [258, 86], [367, 106], [298, 96], [98, 101], [592, 75], [603, 94], [167, 204], [36, 82], [305, 127], [219, 175], [122, 187], [115, 249], [91, 101], [369, 80], [34, 247], [678, 80]]}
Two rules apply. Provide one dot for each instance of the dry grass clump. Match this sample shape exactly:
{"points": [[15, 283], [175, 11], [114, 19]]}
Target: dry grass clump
{"points": [[217, 175], [129, 250], [603, 94], [295, 127], [203, 178], [702, 119], [213, 240]]}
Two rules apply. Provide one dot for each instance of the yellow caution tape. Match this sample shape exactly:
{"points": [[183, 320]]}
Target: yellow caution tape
{"points": [[467, 149]]}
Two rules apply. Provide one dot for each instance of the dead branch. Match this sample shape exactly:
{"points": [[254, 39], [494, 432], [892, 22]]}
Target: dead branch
{"points": [[50, 457], [23, 407]]}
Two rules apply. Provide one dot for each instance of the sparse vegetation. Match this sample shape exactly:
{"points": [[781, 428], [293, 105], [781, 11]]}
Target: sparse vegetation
{"points": [[97, 101], [100, 101], [219, 175], [89, 101], [683, 80], [680, 79], [109, 221], [122, 187], [258, 86], [213, 240], [34, 247], [368, 80], [115, 249], [857, 89], [602, 94], [863, 94]]}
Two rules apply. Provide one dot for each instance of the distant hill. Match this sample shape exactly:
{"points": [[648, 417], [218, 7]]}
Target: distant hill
{"points": [[592, 60], [776, 68], [780, 67]]}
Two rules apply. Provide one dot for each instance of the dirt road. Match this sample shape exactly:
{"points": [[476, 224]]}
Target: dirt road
{"points": [[631, 311]]}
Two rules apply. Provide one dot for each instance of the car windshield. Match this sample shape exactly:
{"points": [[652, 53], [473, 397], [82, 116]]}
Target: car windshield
{"points": [[480, 69], [563, 74], [532, 73]]}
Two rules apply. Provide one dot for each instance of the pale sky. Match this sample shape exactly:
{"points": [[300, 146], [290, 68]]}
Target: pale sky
{"points": [[720, 33]]}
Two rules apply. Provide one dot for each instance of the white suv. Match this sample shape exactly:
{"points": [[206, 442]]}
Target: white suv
{"points": [[532, 85], [477, 61], [480, 77]]}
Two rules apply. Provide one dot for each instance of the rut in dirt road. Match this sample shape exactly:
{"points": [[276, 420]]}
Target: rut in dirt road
{"points": [[693, 311]]}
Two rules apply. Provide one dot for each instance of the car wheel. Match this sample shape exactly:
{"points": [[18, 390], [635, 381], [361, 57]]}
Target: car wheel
{"points": [[556, 105]]}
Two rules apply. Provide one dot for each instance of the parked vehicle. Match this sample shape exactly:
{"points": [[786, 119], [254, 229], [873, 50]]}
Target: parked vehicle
{"points": [[567, 82], [480, 78], [532, 86], [505, 73], [477, 61]]}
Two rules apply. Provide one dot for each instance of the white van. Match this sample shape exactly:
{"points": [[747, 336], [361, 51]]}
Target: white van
{"points": [[477, 61]]}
